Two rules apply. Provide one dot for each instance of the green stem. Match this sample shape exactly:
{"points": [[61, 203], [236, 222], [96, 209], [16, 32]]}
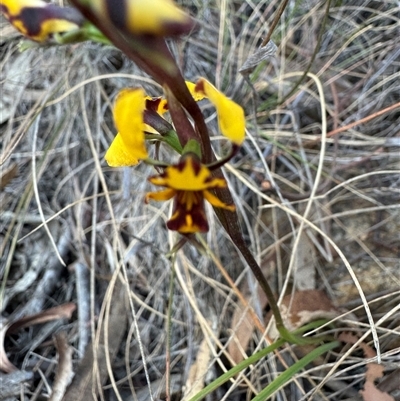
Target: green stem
{"points": [[170, 138]]}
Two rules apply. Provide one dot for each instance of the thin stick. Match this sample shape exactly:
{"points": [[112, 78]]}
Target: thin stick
{"points": [[275, 22], [363, 120], [169, 331]]}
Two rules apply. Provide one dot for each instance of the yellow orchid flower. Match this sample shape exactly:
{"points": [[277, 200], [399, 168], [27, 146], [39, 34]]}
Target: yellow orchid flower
{"points": [[38, 20], [189, 182], [144, 17]]}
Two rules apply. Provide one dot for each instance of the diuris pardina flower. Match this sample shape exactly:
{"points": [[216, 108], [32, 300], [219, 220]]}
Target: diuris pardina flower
{"points": [[38, 20], [142, 17], [189, 182]]}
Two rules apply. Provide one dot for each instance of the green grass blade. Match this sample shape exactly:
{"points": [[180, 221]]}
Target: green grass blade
{"points": [[249, 361], [283, 378], [237, 369]]}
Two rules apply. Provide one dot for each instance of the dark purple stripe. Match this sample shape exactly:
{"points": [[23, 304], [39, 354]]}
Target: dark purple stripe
{"points": [[117, 11], [33, 17]]}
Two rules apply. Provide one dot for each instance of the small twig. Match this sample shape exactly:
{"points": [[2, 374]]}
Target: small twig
{"points": [[35, 175], [355, 123], [83, 301], [363, 120], [169, 332], [275, 22], [64, 370]]}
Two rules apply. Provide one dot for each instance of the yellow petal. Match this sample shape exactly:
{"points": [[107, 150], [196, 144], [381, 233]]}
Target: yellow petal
{"points": [[217, 202], [53, 26], [145, 17], [188, 175], [119, 155], [128, 118], [14, 7], [164, 195], [150, 129], [231, 118], [154, 16]]}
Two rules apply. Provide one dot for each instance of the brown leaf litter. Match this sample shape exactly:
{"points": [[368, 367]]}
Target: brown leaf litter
{"points": [[374, 371]]}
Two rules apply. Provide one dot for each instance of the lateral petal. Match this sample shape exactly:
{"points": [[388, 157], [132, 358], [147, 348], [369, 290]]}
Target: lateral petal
{"points": [[231, 118]]}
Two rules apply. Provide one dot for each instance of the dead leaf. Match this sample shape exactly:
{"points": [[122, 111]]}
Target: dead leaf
{"points": [[374, 371], [198, 371], [242, 327], [7, 174], [261, 54], [301, 308]]}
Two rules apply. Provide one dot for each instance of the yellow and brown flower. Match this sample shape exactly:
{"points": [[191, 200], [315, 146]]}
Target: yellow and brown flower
{"points": [[189, 182], [38, 20], [143, 17]]}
